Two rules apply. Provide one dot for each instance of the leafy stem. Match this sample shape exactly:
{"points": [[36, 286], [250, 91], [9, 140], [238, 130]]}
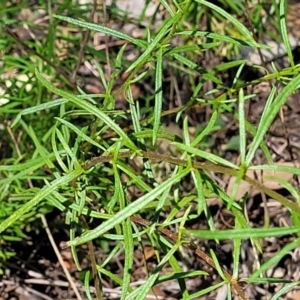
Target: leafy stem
{"points": [[155, 157]]}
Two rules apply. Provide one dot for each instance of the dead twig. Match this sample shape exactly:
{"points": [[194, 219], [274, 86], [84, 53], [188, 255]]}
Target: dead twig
{"points": [[60, 259]]}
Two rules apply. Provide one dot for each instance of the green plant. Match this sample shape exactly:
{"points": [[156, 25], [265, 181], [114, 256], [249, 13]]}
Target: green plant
{"points": [[96, 161]]}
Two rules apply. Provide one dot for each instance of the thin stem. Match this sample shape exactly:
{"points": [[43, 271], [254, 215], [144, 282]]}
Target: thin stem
{"points": [[197, 165]]}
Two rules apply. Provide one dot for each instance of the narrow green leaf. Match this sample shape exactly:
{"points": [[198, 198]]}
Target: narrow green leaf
{"points": [[103, 29], [196, 67], [221, 38], [282, 17], [167, 7], [274, 168], [45, 191], [239, 26], [155, 43], [89, 108], [35, 164], [206, 155], [284, 290], [276, 258], [192, 48], [80, 133], [142, 291], [218, 267], [37, 108], [270, 114], [131, 209], [243, 223], [242, 233], [209, 127], [206, 291], [87, 279], [111, 275], [129, 254], [158, 95], [237, 243], [178, 275]]}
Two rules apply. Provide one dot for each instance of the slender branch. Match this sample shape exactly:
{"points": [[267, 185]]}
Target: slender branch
{"points": [[197, 165], [97, 282]]}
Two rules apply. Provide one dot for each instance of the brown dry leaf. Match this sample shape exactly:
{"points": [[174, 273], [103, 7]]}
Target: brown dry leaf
{"points": [[267, 177], [293, 295], [148, 252]]}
